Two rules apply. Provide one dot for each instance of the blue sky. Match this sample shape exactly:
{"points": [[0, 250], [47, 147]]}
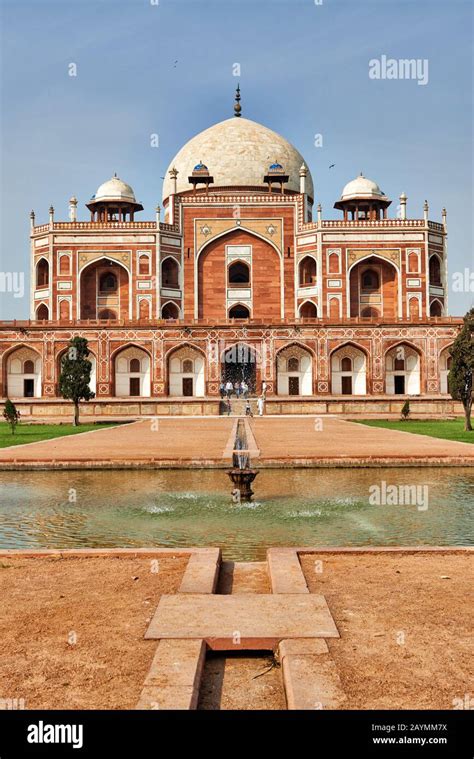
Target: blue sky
{"points": [[304, 71]]}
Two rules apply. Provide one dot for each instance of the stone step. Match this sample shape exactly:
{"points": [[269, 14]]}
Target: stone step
{"points": [[237, 406]]}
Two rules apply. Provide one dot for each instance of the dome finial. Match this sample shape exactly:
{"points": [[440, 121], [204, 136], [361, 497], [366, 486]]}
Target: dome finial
{"points": [[237, 106]]}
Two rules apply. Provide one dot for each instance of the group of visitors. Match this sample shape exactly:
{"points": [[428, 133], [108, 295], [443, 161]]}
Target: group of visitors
{"points": [[237, 388], [241, 389]]}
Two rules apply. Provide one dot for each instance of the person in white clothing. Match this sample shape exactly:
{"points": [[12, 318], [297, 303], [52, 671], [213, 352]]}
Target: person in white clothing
{"points": [[260, 405]]}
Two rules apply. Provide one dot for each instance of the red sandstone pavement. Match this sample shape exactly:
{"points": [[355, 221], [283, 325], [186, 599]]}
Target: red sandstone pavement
{"points": [[199, 441], [328, 437]]}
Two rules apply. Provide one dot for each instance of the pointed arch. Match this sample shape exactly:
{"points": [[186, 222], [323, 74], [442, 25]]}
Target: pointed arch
{"points": [[434, 266], [132, 380], [42, 312], [238, 273], [186, 370], [237, 229], [307, 271], [349, 369], [403, 368], [170, 310], [308, 309], [87, 310], [295, 367], [170, 272], [21, 381], [376, 259], [42, 272], [436, 307], [239, 308]]}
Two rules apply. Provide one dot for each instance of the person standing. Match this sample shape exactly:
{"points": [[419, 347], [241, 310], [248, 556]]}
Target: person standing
{"points": [[228, 406], [222, 389], [264, 390], [248, 408], [261, 405], [228, 388], [237, 389]]}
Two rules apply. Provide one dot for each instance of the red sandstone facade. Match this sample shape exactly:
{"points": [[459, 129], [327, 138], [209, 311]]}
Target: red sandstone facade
{"points": [[317, 308]]}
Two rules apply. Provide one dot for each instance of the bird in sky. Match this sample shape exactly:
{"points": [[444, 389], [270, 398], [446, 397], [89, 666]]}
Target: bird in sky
{"points": [[332, 165]]}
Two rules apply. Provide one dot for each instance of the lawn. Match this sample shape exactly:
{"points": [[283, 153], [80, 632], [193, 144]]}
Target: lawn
{"points": [[31, 433], [447, 429]]}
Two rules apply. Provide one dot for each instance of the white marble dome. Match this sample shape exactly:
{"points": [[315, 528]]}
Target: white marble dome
{"points": [[361, 187], [115, 189], [237, 151]]}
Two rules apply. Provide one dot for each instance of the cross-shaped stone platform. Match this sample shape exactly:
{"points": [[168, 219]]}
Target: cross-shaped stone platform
{"points": [[257, 622]]}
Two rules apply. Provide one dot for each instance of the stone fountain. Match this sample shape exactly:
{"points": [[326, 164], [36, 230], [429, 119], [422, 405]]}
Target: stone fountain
{"points": [[241, 474]]}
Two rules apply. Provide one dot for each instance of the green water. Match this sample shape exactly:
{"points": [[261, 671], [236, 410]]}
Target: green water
{"points": [[314, 507]]}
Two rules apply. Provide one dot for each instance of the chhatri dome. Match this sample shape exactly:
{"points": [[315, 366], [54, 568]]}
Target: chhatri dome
{"points": [[114, 201], [363, 188], [114, 189], [238, 152]]}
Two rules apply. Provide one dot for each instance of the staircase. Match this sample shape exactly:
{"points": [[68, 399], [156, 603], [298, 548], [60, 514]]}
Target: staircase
{"points": [[237, 406]]}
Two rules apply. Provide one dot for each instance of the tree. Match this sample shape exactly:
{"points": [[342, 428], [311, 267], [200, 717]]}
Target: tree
{"points": [[11, 414], [76, 375], [405, 412], [460, 377]]}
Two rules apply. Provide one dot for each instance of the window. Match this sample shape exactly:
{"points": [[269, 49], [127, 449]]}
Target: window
{"points": [[170, 273], [42, 273], [399, 365], [42, 313], [370, 280], [170, 311], [346, 364], [28, 367], [435, 271], [239, 312], [435, 308], [187, 366], [307, 271], [308, 310], [135, 365], [239, 273], [293, 365], [108, 283]]}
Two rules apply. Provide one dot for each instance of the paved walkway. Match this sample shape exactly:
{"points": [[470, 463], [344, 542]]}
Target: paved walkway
{"points": [[198, 441], [286, 438]]}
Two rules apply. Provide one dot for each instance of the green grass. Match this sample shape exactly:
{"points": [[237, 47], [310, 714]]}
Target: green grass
{"points": [[31, 433], [447, 429]]}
